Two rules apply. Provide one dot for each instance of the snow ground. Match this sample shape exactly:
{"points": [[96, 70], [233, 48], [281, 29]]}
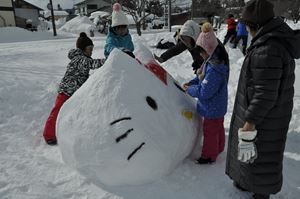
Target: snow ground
{"points": [[30, 169]]}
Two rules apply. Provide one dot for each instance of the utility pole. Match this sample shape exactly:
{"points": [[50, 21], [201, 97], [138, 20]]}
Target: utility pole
{"points": [[50, 7], [169, 16]]}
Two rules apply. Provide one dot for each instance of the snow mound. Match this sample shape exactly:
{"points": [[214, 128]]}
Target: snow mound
{"points": [[15, 34], [129, 124], [79, 24]]}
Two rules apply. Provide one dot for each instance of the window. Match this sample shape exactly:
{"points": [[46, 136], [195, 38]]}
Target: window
{"points": [[92, 7]]}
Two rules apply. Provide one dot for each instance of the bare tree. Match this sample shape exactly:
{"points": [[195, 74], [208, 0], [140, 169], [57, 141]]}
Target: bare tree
{"points": [[294, 11], [141, 9]]}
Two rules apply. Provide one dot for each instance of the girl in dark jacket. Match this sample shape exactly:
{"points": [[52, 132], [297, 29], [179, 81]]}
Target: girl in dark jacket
{"points": [[186, 41], [264, 102], [77, 73], [210, 87]]}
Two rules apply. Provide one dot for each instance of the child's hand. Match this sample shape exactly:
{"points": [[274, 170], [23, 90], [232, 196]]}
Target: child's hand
{"points": [[128, 52], [159, 59], [185, 86]]}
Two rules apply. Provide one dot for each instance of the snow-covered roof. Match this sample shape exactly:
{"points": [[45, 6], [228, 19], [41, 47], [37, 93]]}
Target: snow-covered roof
{"points": [[99, 13], [47, 13], [32, 3]]}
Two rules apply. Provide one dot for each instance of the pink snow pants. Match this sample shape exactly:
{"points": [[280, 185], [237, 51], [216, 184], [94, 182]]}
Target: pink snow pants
{"points": [[213, 138], [49, 130]]}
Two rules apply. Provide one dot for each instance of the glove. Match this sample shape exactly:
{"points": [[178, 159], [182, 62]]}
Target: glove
{"points": [[246, 148], [128, 52], [159, 59]]}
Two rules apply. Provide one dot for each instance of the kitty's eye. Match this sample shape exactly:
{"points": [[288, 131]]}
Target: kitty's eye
{"points": [[151, 102]]}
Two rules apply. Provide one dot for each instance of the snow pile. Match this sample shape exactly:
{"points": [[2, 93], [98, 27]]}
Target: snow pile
{"points": [[79, 24], [129, 124], [15, 34], [99, 14]]}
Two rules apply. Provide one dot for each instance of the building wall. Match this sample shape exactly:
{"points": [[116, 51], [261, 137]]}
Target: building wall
{"points": [[83, 8], [5, 3], [7, 16], [28, 14]]}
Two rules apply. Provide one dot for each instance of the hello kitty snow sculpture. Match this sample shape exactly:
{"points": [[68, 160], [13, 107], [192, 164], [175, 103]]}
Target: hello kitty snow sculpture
{"points": [[129, 124]]}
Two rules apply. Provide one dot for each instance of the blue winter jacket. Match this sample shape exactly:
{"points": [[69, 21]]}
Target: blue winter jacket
{"points": [[115, 41], [212, 91], [241, 29]]}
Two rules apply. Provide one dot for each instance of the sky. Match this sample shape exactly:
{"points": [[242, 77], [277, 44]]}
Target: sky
{"points": [[65, 4]]}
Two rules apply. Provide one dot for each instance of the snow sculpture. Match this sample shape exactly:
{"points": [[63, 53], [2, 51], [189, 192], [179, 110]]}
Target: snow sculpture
{"points": [[129, 124]]}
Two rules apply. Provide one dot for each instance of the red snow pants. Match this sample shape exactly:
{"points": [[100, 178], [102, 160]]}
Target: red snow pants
{"points": [[213, 138], [49, 129]]}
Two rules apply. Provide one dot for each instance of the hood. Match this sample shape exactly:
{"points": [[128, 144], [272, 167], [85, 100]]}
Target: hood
{"points": [[277, 29], [191, 29], [75, 52]]}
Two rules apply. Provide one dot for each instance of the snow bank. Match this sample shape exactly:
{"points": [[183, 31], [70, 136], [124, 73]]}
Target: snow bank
{"points": [[129, 124], [15, 34], [79, 24]]}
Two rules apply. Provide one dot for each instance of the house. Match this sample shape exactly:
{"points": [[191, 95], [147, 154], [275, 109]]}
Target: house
{"points": [[25, 11], [57, 14], [85, 7], [7, 15]]}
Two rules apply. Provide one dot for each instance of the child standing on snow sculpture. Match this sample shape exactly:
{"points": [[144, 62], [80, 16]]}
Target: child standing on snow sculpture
{"points": [[77, 73], [210, 87], [118, 35]]}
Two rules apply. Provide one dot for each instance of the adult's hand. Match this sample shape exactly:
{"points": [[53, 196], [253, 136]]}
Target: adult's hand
{"points": [[246, 148]]}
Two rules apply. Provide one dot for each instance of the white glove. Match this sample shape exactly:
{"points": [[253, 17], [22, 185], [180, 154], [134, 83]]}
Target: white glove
{"points": [[246, 149]]}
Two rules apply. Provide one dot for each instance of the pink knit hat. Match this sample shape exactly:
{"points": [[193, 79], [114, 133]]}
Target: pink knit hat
{"points": [[207, 39]]}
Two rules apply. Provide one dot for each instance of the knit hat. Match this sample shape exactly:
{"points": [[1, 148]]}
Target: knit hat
{"points": [[207, 39], [83, 41], [190, 29], [257, 12], [118, 16]]}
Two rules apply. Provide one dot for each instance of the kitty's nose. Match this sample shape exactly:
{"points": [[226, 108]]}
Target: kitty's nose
{"points": [[187, 114]]}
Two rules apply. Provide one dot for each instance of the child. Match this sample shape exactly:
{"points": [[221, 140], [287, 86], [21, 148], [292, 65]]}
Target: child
{"points": [[118, 35], [186, 41], [231, 29], [210, 87], [77, 73], [242, 33]]}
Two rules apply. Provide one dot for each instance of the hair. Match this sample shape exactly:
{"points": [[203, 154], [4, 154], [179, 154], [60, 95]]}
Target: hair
{"points": [[222, 54], [230, 15], [83, 34], [252, 26]]}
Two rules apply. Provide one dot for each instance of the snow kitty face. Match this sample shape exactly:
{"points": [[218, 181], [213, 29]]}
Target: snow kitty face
{"points": [[129, 123]]}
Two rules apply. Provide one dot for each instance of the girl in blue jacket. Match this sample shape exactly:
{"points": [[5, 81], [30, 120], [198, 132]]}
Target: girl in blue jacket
{"points": [[210, 87], [118, 35]]}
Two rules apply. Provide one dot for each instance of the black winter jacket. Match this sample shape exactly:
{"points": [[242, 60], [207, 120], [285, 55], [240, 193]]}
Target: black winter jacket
{"points": [[77, 71], [265, 97], [179, 48]]}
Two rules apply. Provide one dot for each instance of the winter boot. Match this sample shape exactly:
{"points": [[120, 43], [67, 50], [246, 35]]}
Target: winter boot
{"points": [[204, 161], [52, 142]]}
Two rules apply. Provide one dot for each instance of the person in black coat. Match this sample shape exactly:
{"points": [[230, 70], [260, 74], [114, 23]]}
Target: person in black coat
{"points": [[264, 102], [186, 41]]}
